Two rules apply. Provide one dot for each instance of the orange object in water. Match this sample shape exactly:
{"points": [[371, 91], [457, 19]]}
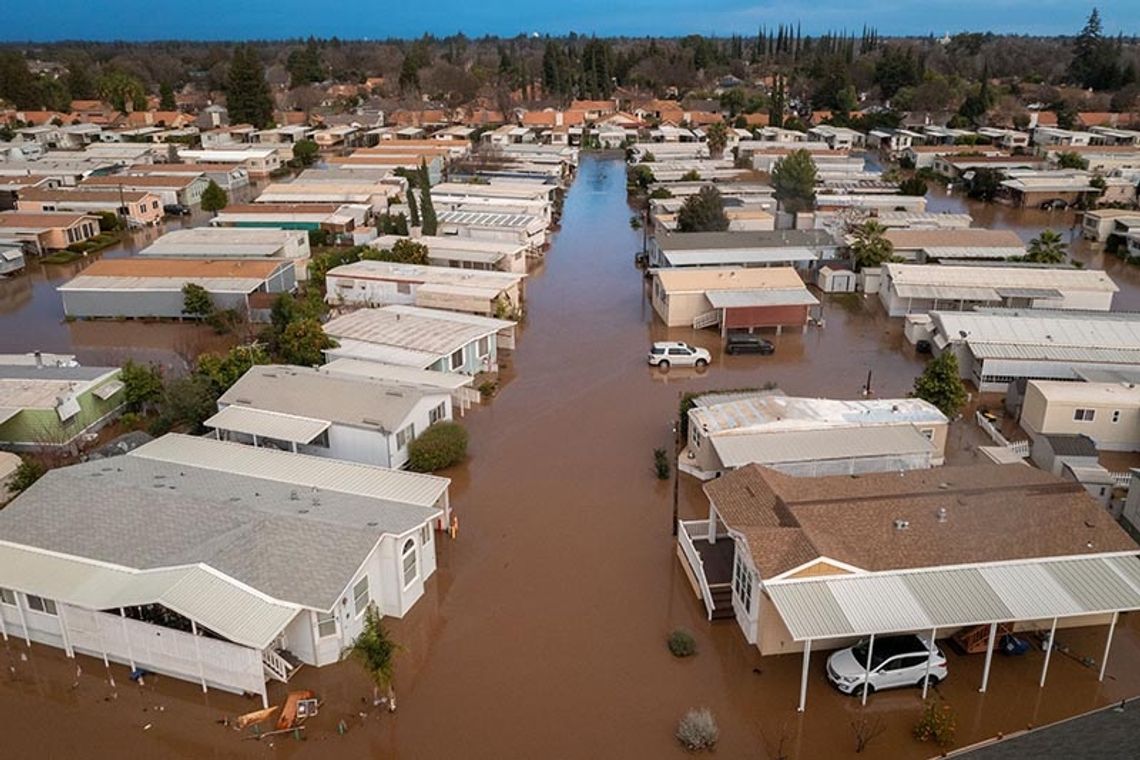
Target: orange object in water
{"points": [[288, 717]]}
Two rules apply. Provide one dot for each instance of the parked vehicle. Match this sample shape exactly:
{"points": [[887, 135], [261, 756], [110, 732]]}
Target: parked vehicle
{"points": [[895, 661], [743, 343], [923, 347], [176, 209], [668, 353]]}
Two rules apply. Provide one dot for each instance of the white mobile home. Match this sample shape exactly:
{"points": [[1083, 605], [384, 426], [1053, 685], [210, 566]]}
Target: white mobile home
{"points": [[376, 283], [312, 411], [466, 253], [216, 563], [233, 244], [503, 228]]}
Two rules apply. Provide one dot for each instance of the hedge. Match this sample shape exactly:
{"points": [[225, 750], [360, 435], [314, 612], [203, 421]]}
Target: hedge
{"points": [[441, 445]]}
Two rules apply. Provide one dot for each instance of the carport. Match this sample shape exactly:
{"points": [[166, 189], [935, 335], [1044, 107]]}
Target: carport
{"points": [[867, 605], [766, 307]]}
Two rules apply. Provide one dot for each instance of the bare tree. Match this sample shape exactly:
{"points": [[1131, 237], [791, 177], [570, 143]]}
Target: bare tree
{"points": [[865, 730]]}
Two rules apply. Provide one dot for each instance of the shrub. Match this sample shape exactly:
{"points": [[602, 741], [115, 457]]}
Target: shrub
{"points": [[441, 445], [682, 644], [697, 730], [661, 464], [27, 473], [488, 388], [937, 723]]}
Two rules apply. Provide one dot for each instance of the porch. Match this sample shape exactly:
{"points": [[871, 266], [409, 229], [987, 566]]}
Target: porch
{"points": [[708, 564]]}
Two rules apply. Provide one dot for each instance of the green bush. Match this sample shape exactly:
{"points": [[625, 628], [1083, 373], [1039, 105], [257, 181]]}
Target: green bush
{"points": [[661, 464], [441, 445], [682, 644]]}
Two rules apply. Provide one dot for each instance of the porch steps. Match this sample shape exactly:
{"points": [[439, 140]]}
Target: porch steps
{"points": [[722, 601], [708, 319], [280, 664]]}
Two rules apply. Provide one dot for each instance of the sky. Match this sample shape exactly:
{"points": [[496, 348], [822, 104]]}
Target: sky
{"points": [[378, 19]]}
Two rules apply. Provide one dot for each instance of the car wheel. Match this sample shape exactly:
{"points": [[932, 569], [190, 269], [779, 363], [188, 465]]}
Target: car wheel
{"points": [[701, 364], [931, 680], [663, 364], [859, 690]]}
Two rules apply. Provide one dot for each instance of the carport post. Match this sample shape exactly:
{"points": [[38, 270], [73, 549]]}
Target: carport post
{"points": [[867, 669], [989, 657], [929, 657], [1048, 652], [803, 676], [1107, 645]]}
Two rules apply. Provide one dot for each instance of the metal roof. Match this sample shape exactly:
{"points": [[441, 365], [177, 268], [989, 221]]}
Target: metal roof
{"points": [[705, 241], [217, 602], [266, 424], [375, 353], [405, 375], [736, 299], [773, 448], [298, 469], [952, 597], [489, 219]]}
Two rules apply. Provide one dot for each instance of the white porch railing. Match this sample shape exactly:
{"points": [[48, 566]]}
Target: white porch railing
{"points": [[276, 666], [1123, 479], [699, 529], [708, 319], [1020, 448]]}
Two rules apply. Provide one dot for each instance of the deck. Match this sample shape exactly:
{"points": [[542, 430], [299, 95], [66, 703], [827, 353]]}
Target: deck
{"points": [[717, 559]]}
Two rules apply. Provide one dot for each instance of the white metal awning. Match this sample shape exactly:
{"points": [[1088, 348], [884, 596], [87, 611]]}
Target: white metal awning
{"points": [[196, 592], [734, 299], [8, 412], [922, 600], [107, 390], [263, 424]]}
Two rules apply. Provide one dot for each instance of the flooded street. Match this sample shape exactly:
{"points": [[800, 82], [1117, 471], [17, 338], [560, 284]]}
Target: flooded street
{"points": [[542, 635]]}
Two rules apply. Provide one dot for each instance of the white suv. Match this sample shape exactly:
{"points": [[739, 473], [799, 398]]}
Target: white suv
{"points": [[895, 661], [666, 354]]}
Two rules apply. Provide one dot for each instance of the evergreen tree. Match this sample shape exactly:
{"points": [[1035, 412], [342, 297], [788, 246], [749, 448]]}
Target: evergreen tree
{"points": [[941, 385], [166, 101], [1095, 61], [794, 177], [703, 212], [413, 207], [214, 198], [247, 93], [304, 65], [427, 209], [79, 82]]}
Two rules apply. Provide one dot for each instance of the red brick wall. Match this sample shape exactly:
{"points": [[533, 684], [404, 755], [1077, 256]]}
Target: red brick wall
{"points": [[765, 316]]}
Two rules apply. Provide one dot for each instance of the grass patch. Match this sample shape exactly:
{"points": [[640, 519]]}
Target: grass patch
{"points": [[61, 257]]}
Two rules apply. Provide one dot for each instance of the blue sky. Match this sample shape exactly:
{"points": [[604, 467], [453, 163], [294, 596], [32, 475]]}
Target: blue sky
{"points": [[355, 19]]}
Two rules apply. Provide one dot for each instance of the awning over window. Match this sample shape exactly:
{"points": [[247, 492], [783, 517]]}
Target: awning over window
{"points": [[106, 390]]}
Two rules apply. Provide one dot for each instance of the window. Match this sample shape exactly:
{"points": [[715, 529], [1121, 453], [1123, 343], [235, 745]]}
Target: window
{"points": [[39, 604], [742, 584], [437, 414], [484, 346], [403, 288], [1084, 415], [326, 624], [7, 596], [411, 567], [360, 598], [425, 535], [1116, 415], [404, 437], [457, 359]]}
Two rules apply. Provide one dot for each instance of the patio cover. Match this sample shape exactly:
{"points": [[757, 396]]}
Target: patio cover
{"points": [[923, 600], [283, 427]]}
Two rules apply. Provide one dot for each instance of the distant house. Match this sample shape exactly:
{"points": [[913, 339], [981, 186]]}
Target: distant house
{"points": [[330, 217], [141, 287], [137, 207], [496, 227], [219, 564], [917, 289], [258, 161], [1036, 189], [803, 249], [411, 336], [465, 253], [47, 230], [229, 177], [313, 411], [923, 245], [734, 298], [1108, 413], [377, 283], [806, 436], [44, 406], [184, 189], [1103, 224], [234, 244]]}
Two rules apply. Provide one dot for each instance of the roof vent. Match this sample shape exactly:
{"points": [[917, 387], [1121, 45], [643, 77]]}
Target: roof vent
{"points": [[942, 514], [293, 495], [902, 524]]}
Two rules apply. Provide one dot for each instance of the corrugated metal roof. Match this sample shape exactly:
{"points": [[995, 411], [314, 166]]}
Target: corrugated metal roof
{"points": [[1045, 352], [266, 424], [204, 596], [779, 447], [489, 219], [880, 603], [409, 375], [734, 299], [309, 471], [379, 354]]}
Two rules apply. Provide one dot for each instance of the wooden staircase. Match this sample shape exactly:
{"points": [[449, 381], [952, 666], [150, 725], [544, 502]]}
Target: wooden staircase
{"points": [[722, 601], [973, 640], [280, 664], [708, 319]]}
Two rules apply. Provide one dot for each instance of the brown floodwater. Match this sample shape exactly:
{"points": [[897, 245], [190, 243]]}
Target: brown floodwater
{"points": [[542, 635]]}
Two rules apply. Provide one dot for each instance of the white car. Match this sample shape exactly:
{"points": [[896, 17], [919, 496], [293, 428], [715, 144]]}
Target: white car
{"points": [[672, 353], [895, 661]]}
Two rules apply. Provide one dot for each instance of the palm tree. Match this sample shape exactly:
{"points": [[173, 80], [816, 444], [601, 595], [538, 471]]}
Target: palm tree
{"points": [[871, 247], [1047, 248], [376, 653]]}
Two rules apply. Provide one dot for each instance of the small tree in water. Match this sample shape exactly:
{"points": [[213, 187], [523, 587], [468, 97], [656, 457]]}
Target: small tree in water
{"points": [[376, 653], [196, 301], [1047, 248], [214, 198], [941, 385], [871, 247], [794, 177], [703, 212]]}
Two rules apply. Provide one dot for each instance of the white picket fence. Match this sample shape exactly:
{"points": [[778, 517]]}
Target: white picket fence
{"points": [[1020, 448]]}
